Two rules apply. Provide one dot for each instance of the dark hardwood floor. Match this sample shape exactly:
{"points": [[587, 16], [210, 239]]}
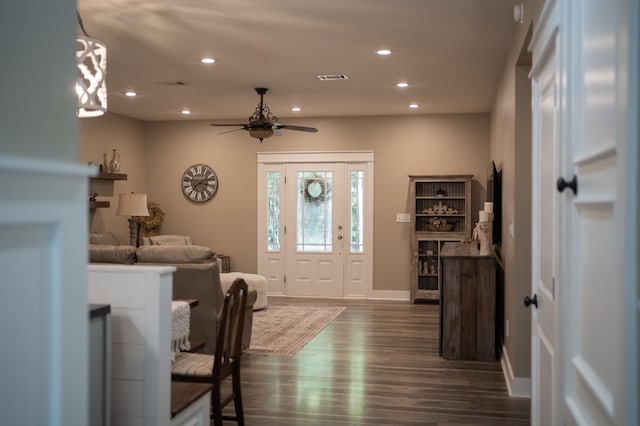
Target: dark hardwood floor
{"points": [[376, 364]]}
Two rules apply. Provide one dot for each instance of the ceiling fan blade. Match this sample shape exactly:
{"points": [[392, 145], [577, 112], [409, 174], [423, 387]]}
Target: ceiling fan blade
{"points": [[299, 128], [229, 131], [234, 125]]}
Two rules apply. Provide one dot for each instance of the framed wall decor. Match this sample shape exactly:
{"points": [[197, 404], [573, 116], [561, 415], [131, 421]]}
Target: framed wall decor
{"points": [[199, 183]]}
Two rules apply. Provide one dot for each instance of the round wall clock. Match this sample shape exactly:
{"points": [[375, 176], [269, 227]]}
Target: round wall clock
{"points": [[199, 183]]}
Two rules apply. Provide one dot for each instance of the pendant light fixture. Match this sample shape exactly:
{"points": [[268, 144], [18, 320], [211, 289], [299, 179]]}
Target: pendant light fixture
{"points": [[91, 84]]}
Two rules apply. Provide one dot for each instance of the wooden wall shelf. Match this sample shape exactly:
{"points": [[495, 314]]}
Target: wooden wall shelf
{"points": [[98, 204], [110, 176]]}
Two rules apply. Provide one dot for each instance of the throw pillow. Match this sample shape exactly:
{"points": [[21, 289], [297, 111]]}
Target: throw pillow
{"points": [[104, 238], [167, 240]]}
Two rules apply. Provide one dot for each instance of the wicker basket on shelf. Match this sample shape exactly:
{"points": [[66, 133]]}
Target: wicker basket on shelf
{"points": [[440, 228], [438, 224]]}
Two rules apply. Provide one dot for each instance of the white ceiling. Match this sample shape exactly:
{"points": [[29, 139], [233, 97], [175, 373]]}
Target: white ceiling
{"points": [[451, 52]]}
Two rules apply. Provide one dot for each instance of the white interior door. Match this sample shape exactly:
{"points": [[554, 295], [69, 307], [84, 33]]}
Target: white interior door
{"points": [[596, 373], [546, 132], [315, 228], [585, 330]]}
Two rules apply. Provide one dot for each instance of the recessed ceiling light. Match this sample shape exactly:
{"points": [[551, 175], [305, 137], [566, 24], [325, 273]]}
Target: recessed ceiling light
{"points": [[131, 94], [207, 60], [383, 52], [402, 84], [414, 106], [186, 111], [296, 109]]}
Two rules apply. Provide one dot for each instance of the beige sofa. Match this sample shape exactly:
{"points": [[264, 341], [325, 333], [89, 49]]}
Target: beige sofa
{"points": [[197, 276]]}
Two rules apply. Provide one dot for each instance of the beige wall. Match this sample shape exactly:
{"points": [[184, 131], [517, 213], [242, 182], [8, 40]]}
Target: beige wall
{"points": [[437, 144], [511, 150], [99, 136], [37, 76]]}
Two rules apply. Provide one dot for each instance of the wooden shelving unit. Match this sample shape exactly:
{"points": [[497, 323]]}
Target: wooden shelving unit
{"points": [[105, 176], [441, 212]]}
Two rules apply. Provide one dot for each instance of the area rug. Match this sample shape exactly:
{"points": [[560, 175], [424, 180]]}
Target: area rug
{"points": [[282, 330]]}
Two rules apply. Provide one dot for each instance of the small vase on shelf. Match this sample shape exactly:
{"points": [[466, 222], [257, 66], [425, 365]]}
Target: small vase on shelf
{"points": [[114, 164]]}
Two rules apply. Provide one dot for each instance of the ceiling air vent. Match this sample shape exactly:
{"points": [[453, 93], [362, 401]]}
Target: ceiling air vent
{"points": [[171, 83], [328, 77]]}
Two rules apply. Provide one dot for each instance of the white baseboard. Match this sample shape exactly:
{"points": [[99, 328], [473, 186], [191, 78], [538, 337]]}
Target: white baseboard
{"points": [[519, 387], [389, 295], [398, 295]]}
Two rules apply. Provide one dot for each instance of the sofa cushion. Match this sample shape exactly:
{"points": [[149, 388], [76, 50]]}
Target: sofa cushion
{"points": [[104, 238], [175, 254], [105, 253], [166, 240]]}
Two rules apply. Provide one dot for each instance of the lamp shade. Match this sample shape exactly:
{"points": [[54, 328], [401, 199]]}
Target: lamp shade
{"points": [[91, 84], [132, 205]]}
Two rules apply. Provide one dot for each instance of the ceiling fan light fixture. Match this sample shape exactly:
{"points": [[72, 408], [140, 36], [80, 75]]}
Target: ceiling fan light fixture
{"points": [[261, 133], [263, 124]]}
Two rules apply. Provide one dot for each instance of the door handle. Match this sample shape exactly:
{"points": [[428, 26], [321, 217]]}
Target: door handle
{"points": [[531, 301], [563, 184]]}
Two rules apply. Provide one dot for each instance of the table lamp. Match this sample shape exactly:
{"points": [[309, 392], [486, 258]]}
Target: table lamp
{"points": [[133, 205]]}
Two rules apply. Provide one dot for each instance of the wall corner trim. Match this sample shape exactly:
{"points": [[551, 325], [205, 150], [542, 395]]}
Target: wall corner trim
{"points": [[518, 387]]}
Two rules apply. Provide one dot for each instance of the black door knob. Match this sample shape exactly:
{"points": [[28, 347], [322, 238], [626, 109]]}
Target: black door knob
{"points": [[531, 301], [573, 184]]}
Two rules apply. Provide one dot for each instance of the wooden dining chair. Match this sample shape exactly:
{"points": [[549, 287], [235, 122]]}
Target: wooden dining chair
{"points": [[214, 369]]}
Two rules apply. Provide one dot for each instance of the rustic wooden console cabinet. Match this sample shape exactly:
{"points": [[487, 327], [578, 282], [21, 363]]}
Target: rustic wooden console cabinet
{"points": [[467, 303]]}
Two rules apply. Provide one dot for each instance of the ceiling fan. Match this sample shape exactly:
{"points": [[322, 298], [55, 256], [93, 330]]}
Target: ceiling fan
{"points": [[262, 124]]}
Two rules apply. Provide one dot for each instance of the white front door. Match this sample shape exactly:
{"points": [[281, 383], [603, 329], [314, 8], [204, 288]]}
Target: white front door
{"points": [[315, 223], [585, 330], [315, 229]]}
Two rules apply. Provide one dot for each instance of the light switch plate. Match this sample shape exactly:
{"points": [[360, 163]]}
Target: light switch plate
{"points": [[403, 217]]}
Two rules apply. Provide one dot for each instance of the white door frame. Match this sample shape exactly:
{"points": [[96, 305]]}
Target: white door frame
{"points": [[358, 270]]}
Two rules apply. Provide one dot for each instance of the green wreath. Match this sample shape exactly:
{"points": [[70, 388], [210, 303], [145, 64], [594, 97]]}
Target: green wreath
{"points": [[314, 191], [154, 220]]}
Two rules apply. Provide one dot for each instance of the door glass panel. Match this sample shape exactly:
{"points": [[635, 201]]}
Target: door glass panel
{"points": [[357, 212], [314, 208], [273, 211]]}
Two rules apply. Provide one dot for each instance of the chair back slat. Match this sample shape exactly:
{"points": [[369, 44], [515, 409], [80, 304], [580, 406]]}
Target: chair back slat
{"points": [[231, 326]]}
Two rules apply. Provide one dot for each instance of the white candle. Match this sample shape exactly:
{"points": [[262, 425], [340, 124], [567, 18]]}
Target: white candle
{"points": [[488, 207], [484, 216]]}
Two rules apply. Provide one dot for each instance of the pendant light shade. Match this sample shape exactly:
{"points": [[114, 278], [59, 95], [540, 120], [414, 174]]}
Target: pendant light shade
{"points": [[91, 84]]}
